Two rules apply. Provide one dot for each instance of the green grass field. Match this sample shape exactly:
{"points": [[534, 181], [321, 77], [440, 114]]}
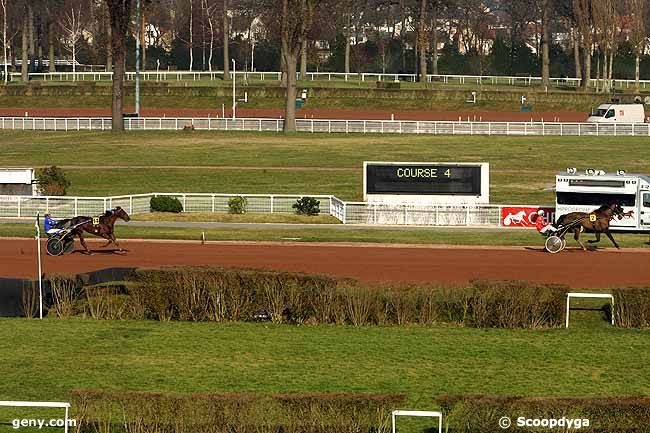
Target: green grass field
{"points": [[522, 168], [61, 355]]}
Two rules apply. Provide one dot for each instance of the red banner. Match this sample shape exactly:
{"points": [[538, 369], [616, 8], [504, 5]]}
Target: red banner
{"points": [[524, 216]]}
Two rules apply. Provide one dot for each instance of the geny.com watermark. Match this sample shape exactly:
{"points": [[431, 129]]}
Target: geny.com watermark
{"points": [[42, 423], [549, 423]]}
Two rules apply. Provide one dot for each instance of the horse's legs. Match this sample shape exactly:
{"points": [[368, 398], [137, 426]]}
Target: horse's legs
{"points": [[576, 236], [597, 239], [83, 242], [611, 238], [114, 240]]}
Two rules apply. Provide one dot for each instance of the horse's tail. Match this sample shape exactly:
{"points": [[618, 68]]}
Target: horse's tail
{"points": [[560, 220]]}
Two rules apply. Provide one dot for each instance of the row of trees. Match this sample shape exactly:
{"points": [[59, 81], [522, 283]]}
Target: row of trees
{"points": [[396, 35]]}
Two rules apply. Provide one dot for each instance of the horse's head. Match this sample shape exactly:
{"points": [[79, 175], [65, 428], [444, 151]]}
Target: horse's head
{"points": [[121, 213], [617, 209], [614, 210]]}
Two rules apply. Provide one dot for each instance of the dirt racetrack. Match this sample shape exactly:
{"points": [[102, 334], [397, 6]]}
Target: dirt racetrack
{"points": [[313, 113], [371, 263]]}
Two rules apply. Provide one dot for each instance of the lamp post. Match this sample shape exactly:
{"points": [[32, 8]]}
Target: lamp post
{"points": [[234, 80]]}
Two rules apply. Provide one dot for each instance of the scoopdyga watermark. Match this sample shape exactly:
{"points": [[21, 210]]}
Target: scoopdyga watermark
{"points": [[548, 423]]}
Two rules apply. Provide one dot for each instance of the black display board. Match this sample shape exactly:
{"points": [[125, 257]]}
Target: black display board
{"points": [[423, 179]]}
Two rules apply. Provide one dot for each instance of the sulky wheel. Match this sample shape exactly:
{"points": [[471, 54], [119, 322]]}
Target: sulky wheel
{"points": [[554, 244], [55, 246], [68, 245]]}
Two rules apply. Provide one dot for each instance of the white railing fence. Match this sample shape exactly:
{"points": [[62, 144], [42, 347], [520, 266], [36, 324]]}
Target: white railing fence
{"points": [[346, 212], [28, 206], [331, 126], [325, 76]]}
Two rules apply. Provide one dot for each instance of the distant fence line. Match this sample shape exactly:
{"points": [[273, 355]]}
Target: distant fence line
{"points": [[346, 212], [331, 126], [329, 76]]}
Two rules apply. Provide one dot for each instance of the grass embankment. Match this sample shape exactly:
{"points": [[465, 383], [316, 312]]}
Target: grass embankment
{"points": [[522, 168], [431, 236], [45, 360], [335, 94]]}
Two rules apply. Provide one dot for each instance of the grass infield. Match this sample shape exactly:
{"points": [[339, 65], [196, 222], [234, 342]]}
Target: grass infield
{"points": [[522, 168], [45, 360]]}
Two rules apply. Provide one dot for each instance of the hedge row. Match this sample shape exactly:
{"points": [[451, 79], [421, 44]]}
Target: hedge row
{"points": [[233, 295], [219, 295], [481, 414], [137, 412], [632, 308]]}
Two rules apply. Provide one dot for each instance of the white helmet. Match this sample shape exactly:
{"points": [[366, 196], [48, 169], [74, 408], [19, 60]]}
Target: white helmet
{"points": [[540, 212]]}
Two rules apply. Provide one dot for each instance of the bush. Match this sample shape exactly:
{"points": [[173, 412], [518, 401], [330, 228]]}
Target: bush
{"points": [[219, 295], [632, 308], [517, 304], [481, 414], [165, 203], [237, 205], [388, 85], [52, 181], [104, 411], [307, 206]]}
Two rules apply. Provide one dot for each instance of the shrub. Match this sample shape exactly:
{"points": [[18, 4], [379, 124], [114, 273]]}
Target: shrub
{"points": [[389, 85], [307, 206], [517, 304], [52, 181], [632, 308], [104, 411], [481, 414], [165, 203], [237, 205]]}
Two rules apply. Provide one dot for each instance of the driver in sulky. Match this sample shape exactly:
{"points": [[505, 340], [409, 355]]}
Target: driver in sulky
{"points": [[542, 225], [51, 225]]}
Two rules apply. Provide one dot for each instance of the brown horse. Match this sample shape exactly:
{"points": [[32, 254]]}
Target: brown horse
{"points": [[596, 221], [102, 226]]}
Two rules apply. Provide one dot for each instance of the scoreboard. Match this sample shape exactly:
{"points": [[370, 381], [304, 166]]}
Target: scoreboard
{"points": [[426, 183]]}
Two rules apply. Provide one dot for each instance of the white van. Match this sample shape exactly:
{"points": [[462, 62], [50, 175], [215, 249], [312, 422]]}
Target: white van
{"points": [[618, 113]]}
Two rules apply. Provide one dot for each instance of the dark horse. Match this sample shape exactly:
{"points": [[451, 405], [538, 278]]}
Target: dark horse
{"points": [[596, 221], [102, 226]]}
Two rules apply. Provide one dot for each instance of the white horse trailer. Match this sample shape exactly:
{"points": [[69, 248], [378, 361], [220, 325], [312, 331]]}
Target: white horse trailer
{"points": [[17, 181], [576, 192]]}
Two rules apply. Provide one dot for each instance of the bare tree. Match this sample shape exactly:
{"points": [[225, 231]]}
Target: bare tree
{"points": [[546, 40], [209, 17], [583, 16], [120, 13], [3, 4], [226, 40], [24, 61], [71, 25], [295, 23], [638, 10], [109, 48], [191, 35], [423, 40]]}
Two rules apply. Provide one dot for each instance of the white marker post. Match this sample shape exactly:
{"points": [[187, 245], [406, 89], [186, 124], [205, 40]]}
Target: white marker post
{"points": [[40, 267]]}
